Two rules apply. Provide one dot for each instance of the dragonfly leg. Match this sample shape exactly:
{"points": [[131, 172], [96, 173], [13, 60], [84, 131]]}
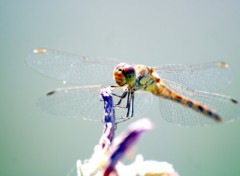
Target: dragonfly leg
{"points": [[122, 119], [124, 94], [130, 103], [132, 100], [128, 106]]}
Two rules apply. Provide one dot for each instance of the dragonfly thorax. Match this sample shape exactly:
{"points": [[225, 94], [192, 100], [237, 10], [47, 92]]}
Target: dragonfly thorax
{"points": [[145, 80]]}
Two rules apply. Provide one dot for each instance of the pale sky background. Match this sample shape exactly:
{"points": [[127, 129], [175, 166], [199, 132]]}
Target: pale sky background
{"points": [[148, 32]]}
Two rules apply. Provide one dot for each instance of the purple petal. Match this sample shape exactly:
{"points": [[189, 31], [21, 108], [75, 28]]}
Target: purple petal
{"points": [[126, 140], [109, 116]]}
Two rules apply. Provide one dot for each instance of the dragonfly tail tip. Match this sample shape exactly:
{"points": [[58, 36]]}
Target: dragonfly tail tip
{"points": [[218, 119]]}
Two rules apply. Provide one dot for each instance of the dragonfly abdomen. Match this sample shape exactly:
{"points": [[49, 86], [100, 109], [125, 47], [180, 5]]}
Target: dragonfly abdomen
{"points": [[164, 92]]}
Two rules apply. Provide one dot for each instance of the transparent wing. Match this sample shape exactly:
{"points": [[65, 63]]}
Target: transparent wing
{"points": [[73, 102], [85, 102], [227, 107], [72, 68], [207, 77]]}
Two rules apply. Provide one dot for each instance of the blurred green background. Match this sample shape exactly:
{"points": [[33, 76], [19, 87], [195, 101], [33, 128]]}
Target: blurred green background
{"points": [[148, 32]]}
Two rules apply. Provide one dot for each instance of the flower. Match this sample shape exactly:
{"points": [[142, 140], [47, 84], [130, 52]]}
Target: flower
{"points": [[109, 151]]}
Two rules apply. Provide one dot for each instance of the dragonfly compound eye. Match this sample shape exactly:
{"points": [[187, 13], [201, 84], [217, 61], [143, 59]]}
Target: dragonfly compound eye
{"points": [[130, 74], [124, 74]]}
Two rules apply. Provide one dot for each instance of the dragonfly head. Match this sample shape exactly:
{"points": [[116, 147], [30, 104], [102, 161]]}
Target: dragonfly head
{"points": [[124, 74]]}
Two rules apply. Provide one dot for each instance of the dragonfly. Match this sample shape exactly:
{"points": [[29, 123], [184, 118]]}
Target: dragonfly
{"points": [[184, 91]]}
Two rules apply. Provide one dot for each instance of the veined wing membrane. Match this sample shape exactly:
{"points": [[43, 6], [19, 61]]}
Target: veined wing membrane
{"points": [[210, 76], [227, 107], [72, 68], [84, 102], [73, 102]]}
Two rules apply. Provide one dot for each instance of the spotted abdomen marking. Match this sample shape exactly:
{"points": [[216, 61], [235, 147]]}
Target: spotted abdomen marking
{"points": [[165, 92]]}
